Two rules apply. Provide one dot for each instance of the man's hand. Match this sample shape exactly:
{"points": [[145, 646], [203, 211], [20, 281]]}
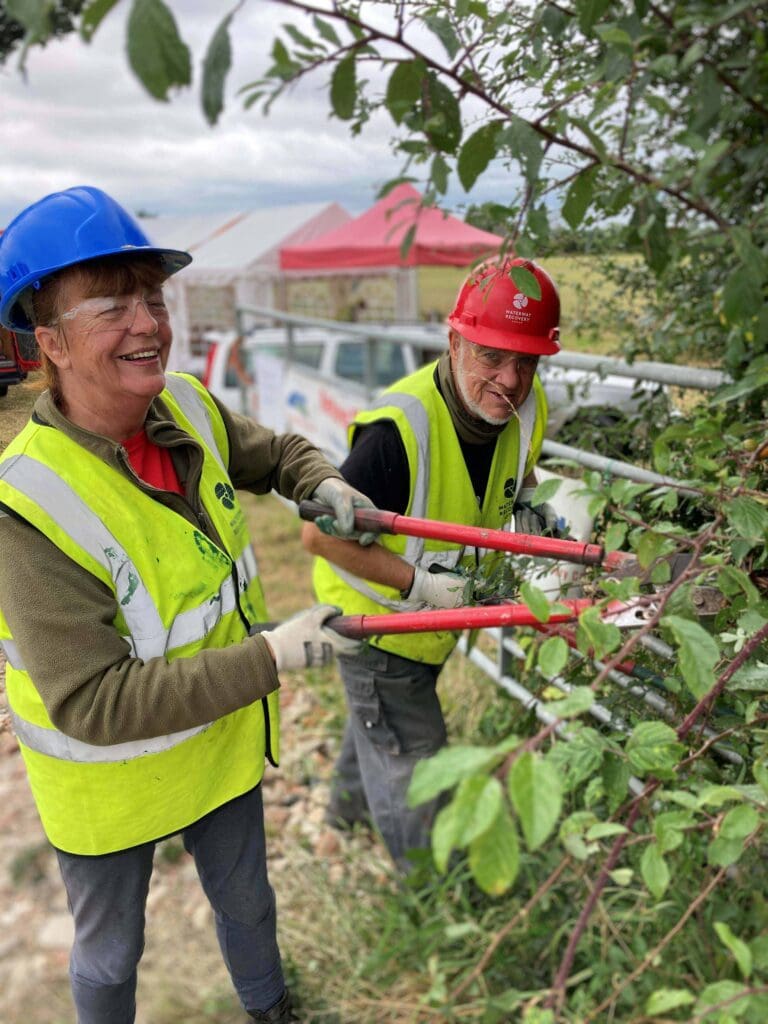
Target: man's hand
{"points": [[343, 499], [439, 589], [304, 642], [541, 520]]}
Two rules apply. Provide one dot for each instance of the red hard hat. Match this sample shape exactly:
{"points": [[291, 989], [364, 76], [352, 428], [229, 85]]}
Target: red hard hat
{"points": [[491, 310]]}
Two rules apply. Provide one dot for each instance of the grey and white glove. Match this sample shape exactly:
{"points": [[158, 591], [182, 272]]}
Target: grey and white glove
{"points": [[541, 520], [303, 641], [439, 589], [343, 499]]}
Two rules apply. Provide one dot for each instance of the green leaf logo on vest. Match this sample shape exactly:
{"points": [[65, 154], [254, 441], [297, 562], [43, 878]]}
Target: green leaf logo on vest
{"points": [[225, 494], [510, 489]]}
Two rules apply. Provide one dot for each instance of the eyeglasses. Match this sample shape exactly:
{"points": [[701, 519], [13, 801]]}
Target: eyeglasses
{"points": [[114, 313], [497, 359]]}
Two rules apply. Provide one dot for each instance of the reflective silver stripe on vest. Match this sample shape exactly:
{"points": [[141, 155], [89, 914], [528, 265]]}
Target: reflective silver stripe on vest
{"points": [[418, 419], [414, 548], [65, 748], [66, 507], [196, 412], [148, 636], [12, 655]]}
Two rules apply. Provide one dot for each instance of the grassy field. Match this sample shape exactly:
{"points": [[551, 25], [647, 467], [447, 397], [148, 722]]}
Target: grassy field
{"points": [[583, 296]]}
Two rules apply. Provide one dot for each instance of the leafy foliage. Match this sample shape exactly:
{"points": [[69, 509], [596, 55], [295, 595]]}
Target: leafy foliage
{"points": [[609, 853]]}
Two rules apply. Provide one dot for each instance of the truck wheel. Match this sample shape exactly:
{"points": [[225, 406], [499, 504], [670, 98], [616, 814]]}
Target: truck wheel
{"points": [[3, 390]]}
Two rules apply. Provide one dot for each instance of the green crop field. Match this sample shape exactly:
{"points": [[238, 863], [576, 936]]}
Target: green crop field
{"points": [[588, 306], [583, 295]]}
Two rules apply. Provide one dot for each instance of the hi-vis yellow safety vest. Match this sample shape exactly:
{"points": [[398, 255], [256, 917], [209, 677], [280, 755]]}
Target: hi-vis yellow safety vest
{"points": [[440, 489], [177, 593]]}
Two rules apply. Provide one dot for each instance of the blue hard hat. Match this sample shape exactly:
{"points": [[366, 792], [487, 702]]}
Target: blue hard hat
{"points": [[63, 229]]}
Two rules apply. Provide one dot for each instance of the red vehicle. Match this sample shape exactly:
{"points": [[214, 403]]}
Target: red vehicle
{"points": [[18, 355]]}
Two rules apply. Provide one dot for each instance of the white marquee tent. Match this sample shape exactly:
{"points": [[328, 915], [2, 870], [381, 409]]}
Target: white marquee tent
{"points": [[235, 263]]}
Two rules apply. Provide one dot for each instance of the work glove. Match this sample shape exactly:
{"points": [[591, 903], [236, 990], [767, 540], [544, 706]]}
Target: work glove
{"points": [[438, 588], [343, 499], [304, 642], [541, 520]]}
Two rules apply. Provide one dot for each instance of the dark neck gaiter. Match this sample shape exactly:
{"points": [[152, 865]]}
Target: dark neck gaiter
{"points": [[468, 428]]}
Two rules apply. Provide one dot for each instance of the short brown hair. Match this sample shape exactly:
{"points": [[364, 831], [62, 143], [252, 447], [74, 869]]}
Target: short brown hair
{"points": [[108, 275]]}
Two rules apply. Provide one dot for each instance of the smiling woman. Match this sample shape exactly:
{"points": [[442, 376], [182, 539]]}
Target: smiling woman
{"points": [[120, 524]]}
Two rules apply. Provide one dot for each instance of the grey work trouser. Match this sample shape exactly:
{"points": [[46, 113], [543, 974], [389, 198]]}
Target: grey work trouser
{"points": [[107, 897], [395, 721]]}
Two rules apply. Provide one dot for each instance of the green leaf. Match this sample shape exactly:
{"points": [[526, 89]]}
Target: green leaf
{"points": [[476, 153], [748, 517], [579, 197], [722, 853], [580, 758], [740, 950], [404, 88], [526, 281], [545, 491], [34, 15], [407, 242], [494, 857], [615, 775], [653, 748], [606, 829], [344, 88], [579, 700], [665, 999], [553, 656], [536, 793], [739, 822], [669, 829], [589, 13], [615, 536], [442, 116], [698, 654], [159, 57], [742, 295], [722, 992], [452, 764], [536, 600], [654, 870], [216, 65], [326, 30], [442, 28], [592, 634], [573, 832], [731, 580], [439, 173], [93, 15], [478, 801], [693, 54], [525, 144], [444, 834]]}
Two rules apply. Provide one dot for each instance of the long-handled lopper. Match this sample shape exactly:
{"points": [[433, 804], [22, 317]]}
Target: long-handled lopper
{"points": [[632, 613], [380, 521]]}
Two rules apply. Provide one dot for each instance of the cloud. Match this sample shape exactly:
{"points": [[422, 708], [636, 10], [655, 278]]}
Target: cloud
{"points": [[81, 117]]}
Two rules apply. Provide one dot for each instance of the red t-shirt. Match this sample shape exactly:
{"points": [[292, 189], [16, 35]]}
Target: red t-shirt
{"points": [[152, 463]]}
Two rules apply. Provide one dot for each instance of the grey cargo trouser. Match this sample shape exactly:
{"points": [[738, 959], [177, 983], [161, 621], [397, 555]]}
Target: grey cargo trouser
{"points": [[107, 896], [395, 721]]}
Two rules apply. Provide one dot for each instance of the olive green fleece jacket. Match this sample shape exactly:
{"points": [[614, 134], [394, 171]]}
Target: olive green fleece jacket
{"points": [[61, 616]]}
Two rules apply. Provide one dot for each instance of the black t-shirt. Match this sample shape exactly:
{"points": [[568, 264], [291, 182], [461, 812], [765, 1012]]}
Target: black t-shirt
{"points": [[378, 466]]}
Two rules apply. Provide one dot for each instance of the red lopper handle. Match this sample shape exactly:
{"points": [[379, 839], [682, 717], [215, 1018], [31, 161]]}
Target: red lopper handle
{"points": [[380, 521]]}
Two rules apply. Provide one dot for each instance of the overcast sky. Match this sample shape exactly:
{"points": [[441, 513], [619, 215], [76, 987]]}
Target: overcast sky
{"points": [[81, 117]]}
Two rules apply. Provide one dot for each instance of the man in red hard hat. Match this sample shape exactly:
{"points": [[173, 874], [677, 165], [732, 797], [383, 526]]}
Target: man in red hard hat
{"points": [[456, 441]]}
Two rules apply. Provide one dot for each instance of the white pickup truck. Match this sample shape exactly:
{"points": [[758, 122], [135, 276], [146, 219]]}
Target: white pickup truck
{"points": [[314, 384]]}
